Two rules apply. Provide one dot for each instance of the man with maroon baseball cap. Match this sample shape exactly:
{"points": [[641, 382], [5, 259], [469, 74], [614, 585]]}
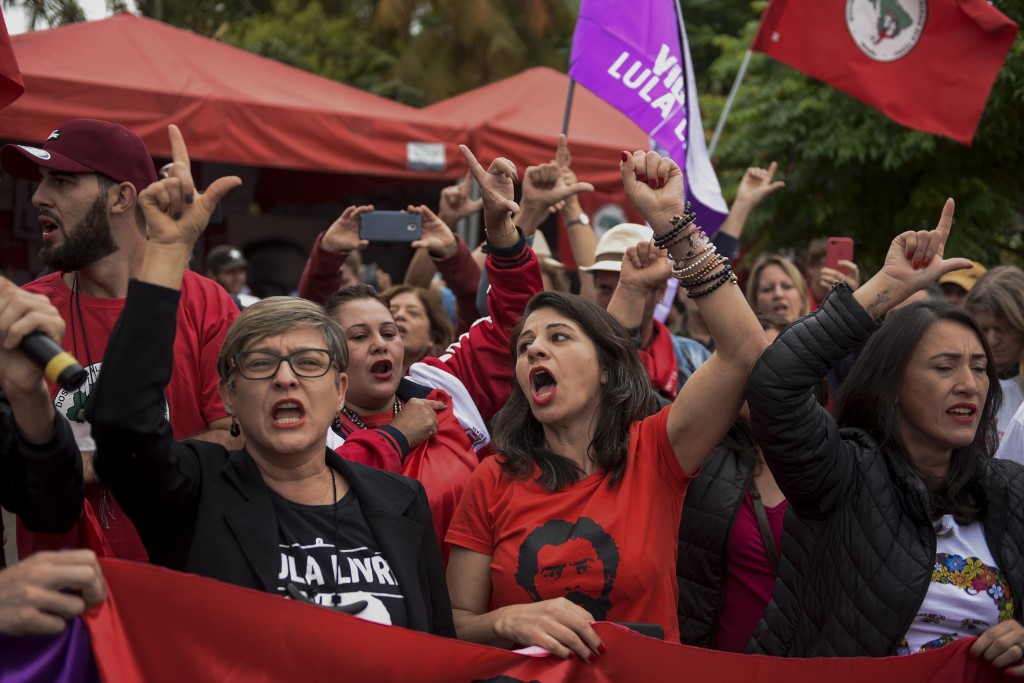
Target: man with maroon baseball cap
{"points": [[90, 174], [85, 146]]}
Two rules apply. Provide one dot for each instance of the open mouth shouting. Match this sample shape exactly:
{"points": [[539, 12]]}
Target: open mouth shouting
{"points": [[49, 227], [288, 413], [963, 413], [781, 309], [543, 385], [382, 370]]}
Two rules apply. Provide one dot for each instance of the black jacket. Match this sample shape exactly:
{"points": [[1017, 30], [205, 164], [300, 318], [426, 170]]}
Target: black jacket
{"points": [[858, 545], [42, 483], [713, 500], [201, 509]]}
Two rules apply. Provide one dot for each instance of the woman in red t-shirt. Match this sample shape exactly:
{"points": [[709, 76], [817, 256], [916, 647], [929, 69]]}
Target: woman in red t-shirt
{"points": [[576, 520]]}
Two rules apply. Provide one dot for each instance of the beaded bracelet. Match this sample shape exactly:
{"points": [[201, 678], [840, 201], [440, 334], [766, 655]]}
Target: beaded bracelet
{"points": [[696, 278], [699, 267], [720, 278], [677, 271], [728, 276], [683, 222], [679, 222], [672, 243], [714, 274], [711, 265]]}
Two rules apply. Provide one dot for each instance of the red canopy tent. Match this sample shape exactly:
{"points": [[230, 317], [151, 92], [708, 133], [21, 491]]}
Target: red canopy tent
{"points": [[232, 105], [520, 117]]}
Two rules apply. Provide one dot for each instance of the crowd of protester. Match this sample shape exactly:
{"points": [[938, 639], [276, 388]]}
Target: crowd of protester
{"points": [[817, 462]]}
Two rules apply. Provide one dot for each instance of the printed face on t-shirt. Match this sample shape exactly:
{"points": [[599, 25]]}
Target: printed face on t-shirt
{"points": [[571, 569], [577, 561]]}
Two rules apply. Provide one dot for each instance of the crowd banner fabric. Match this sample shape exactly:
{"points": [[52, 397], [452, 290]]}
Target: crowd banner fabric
{"points": [[635, 57], [159, 625], [926, 64]]}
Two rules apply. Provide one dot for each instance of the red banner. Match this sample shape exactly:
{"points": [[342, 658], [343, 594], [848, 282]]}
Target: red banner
{"points": [[11, 83], [925, 64], [160, 625]]}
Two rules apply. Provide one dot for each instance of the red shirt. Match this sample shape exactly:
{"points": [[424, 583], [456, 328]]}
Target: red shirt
{"points": [[442, 463], [749, 578], [610, 549]]}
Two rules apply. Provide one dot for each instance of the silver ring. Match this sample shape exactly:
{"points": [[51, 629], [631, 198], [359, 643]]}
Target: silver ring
{"points": [[165, 170], [1020, 646]]}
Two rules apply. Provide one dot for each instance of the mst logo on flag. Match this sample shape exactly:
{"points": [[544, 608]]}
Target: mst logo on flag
{"points": [[886, 30]]}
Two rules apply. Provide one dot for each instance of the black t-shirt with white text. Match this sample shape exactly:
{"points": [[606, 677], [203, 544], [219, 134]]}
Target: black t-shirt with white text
{"points": [[331, 555]]}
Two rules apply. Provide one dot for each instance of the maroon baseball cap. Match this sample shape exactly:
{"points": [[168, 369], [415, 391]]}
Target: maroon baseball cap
{"points": [[85, 146]]}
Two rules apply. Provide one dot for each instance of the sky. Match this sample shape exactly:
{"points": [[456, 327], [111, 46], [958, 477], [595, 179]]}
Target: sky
{"points": [[16, 20]]}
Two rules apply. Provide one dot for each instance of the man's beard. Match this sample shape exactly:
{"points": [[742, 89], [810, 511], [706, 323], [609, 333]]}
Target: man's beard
{"points": [[84, 244]]}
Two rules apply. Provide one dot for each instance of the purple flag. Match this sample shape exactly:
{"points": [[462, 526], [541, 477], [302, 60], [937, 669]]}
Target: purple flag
{"points": [[63, 658], [629, 54]]}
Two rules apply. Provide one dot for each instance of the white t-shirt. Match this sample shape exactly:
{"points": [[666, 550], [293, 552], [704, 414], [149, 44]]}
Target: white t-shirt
{"points": [[1013, 398], [1011, 446], [967, 594]]}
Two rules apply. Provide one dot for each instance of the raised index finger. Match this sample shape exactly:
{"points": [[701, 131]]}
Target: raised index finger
{"points": [[474, 166], [179, 152], [562, 156], [946, 219]]}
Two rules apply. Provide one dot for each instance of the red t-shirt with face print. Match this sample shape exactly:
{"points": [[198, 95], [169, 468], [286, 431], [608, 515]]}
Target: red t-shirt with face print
{"points": [[609, 549]]}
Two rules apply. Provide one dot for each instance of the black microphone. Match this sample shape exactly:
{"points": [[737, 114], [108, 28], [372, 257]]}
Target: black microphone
{"points": [[59, 366]]}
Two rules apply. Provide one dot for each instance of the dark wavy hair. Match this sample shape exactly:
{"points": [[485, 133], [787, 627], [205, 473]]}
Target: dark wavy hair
{"points": [[625, 398], [869, 396]]}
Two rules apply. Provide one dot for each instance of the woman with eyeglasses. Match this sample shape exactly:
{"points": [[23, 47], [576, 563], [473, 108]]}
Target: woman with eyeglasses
{"points": [[285, 514]]}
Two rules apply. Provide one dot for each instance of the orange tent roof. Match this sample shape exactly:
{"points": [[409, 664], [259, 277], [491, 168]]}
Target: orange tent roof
{"points": [[520, 117], [233, 106]]}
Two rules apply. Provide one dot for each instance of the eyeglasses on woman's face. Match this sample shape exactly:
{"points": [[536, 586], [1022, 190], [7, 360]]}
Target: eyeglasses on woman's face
{"points": [[307, 363]]}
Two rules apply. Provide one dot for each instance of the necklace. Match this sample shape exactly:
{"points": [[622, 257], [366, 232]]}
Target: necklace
{"points": [[358, 421], [332, 486]]}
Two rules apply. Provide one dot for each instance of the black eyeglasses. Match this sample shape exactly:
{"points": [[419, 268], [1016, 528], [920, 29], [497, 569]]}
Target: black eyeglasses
{"points": [[265, 364]]}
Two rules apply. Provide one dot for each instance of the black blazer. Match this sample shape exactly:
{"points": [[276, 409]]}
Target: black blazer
{"points": [[201, 509]]}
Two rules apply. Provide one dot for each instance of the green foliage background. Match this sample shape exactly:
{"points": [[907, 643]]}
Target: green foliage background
{"points": [[849, 170]]}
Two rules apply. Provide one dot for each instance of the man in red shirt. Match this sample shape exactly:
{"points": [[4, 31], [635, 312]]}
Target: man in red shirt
{"points": [[90, 173]]}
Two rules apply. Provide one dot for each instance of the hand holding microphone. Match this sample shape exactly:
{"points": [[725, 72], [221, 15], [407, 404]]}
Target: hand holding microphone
{"points": [[29, 324], [59, 366]]}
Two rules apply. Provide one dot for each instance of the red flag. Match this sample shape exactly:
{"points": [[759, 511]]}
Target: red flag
{"points": [[926, 64], [11, 83], [160, 625]]}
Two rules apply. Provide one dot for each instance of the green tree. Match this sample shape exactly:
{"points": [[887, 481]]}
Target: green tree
{"points": [[48, 12], [451, 46], [849, 170], [338, 45]]}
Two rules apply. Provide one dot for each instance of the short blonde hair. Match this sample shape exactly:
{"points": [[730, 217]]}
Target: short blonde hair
{"points": [[277, 315]]}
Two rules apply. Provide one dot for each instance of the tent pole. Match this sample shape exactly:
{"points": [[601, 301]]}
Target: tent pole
{"points": [[728, 102], [568, 106]]}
